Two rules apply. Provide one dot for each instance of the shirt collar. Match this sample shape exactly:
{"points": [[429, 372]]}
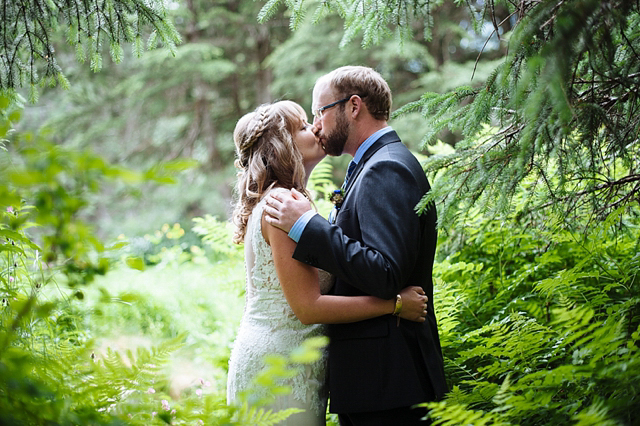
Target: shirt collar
{"points": [[368, 142]]}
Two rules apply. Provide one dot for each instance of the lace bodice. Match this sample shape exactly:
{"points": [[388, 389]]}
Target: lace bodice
{"points": [[269, 325], [264, 296]]}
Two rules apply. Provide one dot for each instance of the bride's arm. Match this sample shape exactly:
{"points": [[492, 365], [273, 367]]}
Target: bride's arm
{"points": [[300, 286]]}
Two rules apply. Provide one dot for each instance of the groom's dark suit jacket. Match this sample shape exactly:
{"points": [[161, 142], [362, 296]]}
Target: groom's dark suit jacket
{"points": [[378, 246]]}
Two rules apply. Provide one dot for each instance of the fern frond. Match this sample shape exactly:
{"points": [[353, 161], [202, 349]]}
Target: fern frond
{"points": [[321, 179], [595, 415], [446, 414], [257, 416], [216, 234]]}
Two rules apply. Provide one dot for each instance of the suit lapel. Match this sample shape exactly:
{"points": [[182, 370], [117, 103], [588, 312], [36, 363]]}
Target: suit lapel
{"points": [[385, 139]]}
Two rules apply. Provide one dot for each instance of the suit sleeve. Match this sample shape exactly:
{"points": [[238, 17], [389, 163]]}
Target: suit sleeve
{"points": [[374, 246]]}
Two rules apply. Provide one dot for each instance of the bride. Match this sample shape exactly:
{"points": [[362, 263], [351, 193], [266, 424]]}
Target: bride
{"points": [[285, 301]]}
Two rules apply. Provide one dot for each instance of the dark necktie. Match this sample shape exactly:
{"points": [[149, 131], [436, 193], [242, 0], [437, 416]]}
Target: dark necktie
{"points": [[350, 169]]}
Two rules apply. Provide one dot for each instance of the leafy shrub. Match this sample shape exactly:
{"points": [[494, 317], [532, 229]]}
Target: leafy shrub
{"points": [[541, 327], [48, 257]]}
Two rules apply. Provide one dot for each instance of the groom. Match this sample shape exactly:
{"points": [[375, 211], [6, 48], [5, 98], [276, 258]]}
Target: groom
{"points": [[377, 245]]}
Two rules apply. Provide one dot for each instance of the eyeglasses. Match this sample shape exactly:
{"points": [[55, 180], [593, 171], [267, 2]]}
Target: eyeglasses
{"points": [[318, 112]]}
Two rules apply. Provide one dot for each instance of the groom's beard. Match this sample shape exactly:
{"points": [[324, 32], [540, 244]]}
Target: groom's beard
{"points": [[335, 141]]}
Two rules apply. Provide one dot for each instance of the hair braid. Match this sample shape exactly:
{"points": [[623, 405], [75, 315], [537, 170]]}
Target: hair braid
{"points": [[266, 157], [261, 119]]}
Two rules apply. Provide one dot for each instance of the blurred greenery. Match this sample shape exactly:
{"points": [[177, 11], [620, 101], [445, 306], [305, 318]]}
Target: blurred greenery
{"points": [[162, 105]]}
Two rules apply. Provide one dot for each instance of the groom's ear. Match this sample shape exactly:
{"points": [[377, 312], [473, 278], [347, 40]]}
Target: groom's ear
{"points": [[355, 106]]}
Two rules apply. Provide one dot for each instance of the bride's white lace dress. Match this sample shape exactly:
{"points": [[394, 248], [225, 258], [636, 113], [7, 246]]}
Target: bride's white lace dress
{"points": [[269, 326]]}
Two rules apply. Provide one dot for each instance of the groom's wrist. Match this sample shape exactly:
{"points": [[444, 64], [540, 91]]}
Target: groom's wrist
{"points": [[298, 227], [398, 306]]}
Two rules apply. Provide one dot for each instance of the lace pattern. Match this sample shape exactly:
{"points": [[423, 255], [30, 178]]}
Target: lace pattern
{"points": [[269, 326]]}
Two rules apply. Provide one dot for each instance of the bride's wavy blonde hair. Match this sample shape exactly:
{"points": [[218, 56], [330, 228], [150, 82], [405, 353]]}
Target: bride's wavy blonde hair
{"points": [[266, 157]]}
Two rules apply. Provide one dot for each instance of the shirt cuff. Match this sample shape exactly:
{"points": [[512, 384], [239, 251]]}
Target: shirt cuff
{"points": [[296, 230]]}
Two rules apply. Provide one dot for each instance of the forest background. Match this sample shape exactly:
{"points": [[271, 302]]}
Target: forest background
{"points": [[121, 291]]}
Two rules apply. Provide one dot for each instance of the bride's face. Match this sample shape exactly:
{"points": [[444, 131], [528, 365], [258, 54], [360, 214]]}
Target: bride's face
{"points": [[306, 139]]}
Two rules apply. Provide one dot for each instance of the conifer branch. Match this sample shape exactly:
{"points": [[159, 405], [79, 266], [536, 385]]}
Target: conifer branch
{"points": [[28, 27], [609, 186], [567, 100]]}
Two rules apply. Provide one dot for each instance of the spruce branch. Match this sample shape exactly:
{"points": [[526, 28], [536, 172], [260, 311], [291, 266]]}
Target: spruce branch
{"points": [[29, 25], [566, 101]]}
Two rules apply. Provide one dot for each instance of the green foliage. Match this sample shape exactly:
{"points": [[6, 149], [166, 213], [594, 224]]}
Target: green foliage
{"points": [[540, 327], [562, 101], [28, 56], [69, 383], [321, 179], [48, 257], [217, 235], [373, 20], [321, 185], [160, 107], [538, 312], [115, 383], [313, 50], [167, 246]]}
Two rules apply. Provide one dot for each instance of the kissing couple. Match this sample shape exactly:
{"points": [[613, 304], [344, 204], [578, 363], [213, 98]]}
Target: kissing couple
{"points": [[363, 277]]}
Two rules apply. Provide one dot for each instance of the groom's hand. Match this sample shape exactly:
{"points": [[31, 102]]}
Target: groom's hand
{"points": [[283, 209]]}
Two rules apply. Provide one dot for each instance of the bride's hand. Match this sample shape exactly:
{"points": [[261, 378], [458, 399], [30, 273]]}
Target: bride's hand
{"points": [[414, 304]]}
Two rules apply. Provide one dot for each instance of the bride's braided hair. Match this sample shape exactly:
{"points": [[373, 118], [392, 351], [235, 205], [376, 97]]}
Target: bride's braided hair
{"points": [[266, 157], [259, 122]]}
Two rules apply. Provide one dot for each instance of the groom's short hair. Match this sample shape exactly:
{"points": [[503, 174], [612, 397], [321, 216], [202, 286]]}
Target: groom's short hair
{"points": [[365, 82]]}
